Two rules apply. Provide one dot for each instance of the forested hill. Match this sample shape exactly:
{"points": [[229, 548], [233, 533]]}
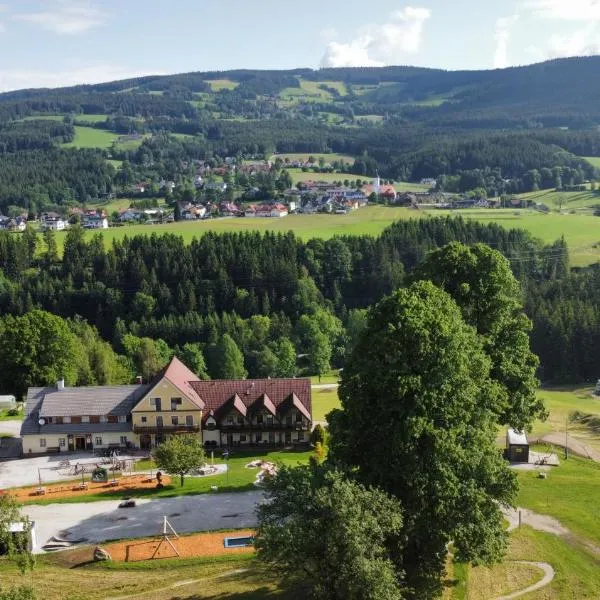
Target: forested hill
{"points": [[504, 131]]}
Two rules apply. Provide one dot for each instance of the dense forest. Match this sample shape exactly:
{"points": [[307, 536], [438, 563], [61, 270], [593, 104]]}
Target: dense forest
{"points": [[262, 291]]}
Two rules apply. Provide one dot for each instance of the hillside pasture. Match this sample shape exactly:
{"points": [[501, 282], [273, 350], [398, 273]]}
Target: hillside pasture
{"points": [[91, 118], [216, 85], [564, 200], [90, 137], [593, 160], [328, 158]]}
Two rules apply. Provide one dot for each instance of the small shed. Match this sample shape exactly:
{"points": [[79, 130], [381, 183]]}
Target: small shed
{"points": [[7, 402], [517, 446]]}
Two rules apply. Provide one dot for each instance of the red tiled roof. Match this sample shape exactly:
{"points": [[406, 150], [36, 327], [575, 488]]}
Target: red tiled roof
{"points": [[181, 377], [273, 394]]}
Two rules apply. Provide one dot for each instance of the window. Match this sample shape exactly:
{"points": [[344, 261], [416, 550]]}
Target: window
{"points": [[95, 419], [75, 419], [122, 418], [58, 420], [66, 419], [269, 419], [174, 420], [123, 440], [242, 438], [85, 419], [271, 437], [62, 442], [288, 420], [175, 402], [42, 442], [103, 419], [259, 419], [229, 419], [240, 420], [144, 419], [156, 403], [98, 441], [301, 436], [159, 421], [298, 417], [189, 420], [113, 419], [258, 438]]}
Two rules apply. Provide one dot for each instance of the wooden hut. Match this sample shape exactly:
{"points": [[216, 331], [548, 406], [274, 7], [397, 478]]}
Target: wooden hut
{"points": [[517, 446]]}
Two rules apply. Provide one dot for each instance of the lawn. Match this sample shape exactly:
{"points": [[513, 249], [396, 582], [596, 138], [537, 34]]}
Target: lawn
{"points": [[564, 200], [238, 479], [323, 402], [91, 118], [594, 160], [90, 137], [4, 416], [570, 494]]}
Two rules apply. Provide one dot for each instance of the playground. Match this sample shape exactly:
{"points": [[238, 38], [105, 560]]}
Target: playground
{"points": [[188, 546], [126, 484]]}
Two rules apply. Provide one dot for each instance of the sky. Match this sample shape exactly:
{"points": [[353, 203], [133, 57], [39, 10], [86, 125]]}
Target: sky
{"points": [[49, 43]]}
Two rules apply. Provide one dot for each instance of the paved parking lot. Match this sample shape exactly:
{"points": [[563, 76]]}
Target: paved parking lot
{"points": [[101, 521], [25, 471]]}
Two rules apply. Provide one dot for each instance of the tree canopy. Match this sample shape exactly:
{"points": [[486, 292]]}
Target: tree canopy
{"points": [[179, 455], [417, 422]]}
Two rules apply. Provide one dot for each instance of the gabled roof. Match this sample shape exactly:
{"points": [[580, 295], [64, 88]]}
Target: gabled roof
{"points": [[182, 378], [264, 402], [234, 402], [278, 394]]}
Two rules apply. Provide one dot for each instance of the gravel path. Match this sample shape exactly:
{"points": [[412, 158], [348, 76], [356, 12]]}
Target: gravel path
{"points": [[546, 579], [535, 521], [574, 445]]}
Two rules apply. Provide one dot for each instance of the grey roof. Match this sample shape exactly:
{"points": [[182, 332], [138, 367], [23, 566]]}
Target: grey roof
{"points": [[516, 438], [97, 400], [80, 401]]}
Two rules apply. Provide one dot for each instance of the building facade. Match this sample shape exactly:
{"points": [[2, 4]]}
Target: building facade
{"points": [[261, 412]]}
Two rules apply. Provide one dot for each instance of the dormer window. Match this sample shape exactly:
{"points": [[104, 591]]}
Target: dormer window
{"points": [[269, 419], [229, 419], [259, 418]]}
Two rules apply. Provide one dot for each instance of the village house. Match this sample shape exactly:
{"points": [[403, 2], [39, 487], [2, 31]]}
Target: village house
{"points": [[268, 412], [53, 221], [95, 222], [229, 209]]}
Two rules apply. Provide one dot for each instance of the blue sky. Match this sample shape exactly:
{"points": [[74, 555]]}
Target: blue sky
{"points": [[61, 42]]}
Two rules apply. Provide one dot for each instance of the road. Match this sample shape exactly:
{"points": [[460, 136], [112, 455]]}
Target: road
{"points": [[97, 522], [574, 445]]}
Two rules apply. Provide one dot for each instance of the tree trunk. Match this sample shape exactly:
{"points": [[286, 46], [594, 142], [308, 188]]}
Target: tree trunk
{"points": [[182, 475]]}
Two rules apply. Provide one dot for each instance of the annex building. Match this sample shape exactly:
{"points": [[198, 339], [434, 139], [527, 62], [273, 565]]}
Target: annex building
{"points": [[269, 412]]}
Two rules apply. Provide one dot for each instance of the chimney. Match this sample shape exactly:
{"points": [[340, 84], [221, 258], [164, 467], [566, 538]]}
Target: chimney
{"points": [[139, 380], [60, 384]]}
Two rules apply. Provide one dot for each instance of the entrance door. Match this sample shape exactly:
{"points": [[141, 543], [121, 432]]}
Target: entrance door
{"points": [[230, 439], [80, 443], [145, 441]]}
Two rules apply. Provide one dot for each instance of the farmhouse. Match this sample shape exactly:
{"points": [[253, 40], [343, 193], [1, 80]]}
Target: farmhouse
{"points": [[53, 221], [95, 222], [272, 412]]}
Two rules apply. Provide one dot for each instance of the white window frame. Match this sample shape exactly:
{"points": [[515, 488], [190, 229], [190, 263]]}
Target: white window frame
{"points": [[85, 419], [122, 419], [66, 419], [98, 441], [62, 442], [42, 442]]}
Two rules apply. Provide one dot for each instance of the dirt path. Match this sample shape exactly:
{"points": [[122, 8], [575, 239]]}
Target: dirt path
{"points": [[535, 521], [574, 445], [543, 582]]}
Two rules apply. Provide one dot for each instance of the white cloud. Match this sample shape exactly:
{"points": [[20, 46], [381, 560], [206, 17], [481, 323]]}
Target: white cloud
{"points": [[565, 10], [66, 17], [583, 42], [502, 37], [380, 44], [21, 79], [329, 34]]}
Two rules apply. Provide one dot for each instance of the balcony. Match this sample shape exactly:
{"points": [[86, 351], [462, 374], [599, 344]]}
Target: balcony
{"points": [[263, 427], [166, 429]]}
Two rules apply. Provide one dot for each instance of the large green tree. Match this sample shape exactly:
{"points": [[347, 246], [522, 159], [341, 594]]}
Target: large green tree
{"points": [[226, 360], [36, 349], [179, 455], [416, 394], [335, 535], [480, 281]]}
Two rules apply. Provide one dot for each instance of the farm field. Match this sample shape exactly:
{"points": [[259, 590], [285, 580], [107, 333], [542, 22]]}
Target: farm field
{"points": [[222, 84], [564, 200], [89, 137], [91, 118]]}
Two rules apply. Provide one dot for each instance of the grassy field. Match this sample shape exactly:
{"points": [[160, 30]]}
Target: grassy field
{"points": [[4, 416], [217, 85], [44, 118], [72, 578], [564, 200], [238, 479], [582, 232], [323, 402], [90, 137], [570, 493], [329, 158], [91, 118], [577, 572], [371, 220], [594, 160]]}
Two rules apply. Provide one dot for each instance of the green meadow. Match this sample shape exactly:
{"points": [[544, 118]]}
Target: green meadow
{"points": [[90, 137]]}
